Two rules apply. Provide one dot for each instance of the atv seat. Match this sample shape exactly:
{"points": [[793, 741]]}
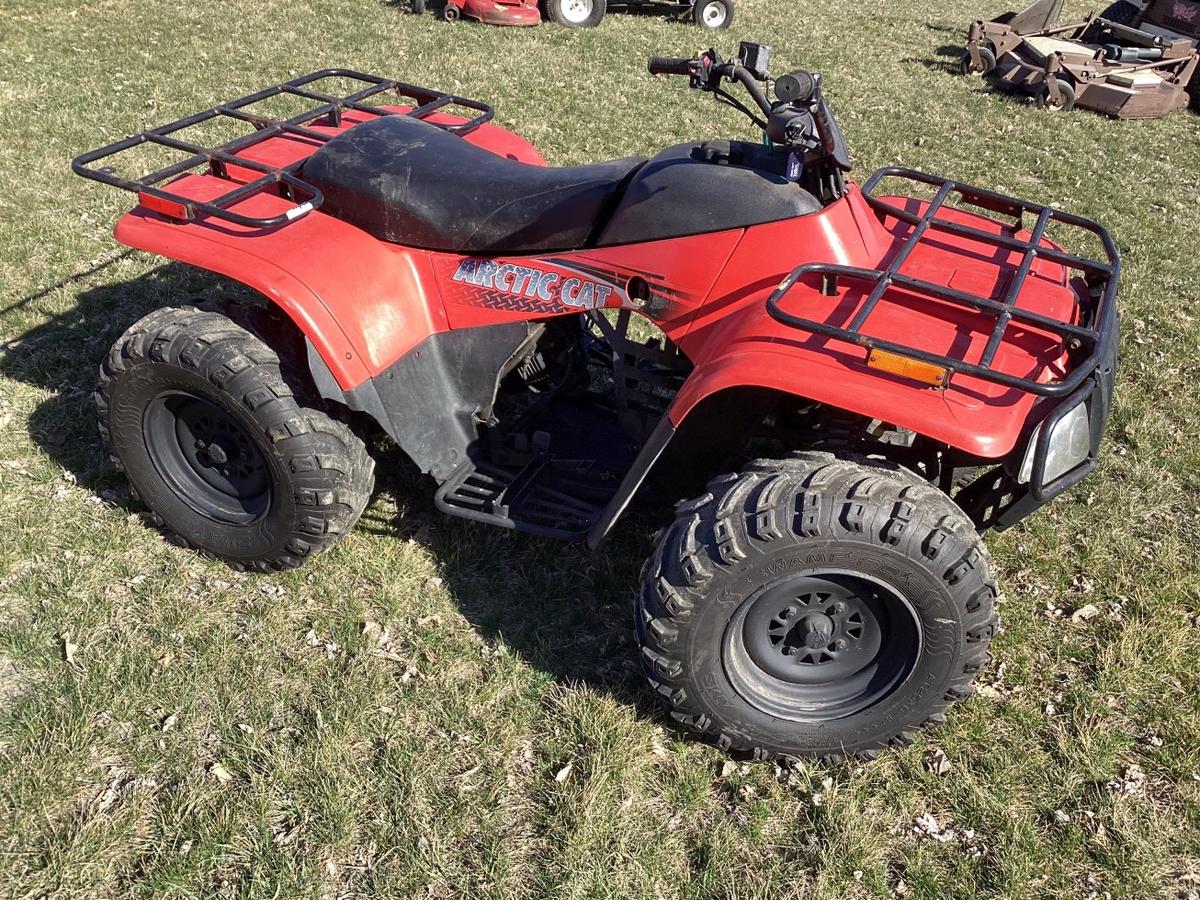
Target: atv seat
{"points": [[409, 182]]}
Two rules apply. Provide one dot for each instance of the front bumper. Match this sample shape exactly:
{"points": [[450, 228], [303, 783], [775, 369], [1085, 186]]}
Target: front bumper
{"points": [[1096, 396], [1000, 497]]}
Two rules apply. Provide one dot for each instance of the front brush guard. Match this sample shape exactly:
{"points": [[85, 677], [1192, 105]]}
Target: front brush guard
{"points": [[996, 499]]}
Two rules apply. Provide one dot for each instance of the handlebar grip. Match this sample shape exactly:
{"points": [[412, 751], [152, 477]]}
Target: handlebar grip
{"points": [[670, 65]]}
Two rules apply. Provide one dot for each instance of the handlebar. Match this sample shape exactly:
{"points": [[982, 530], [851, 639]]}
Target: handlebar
{"points": [[670, 65], [707, 71], [799, 119]]}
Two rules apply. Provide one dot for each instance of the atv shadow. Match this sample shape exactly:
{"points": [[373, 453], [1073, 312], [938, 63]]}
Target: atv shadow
{"points": [[564, 609], [62, 355]]}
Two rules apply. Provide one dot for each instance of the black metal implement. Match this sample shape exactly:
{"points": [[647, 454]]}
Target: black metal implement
{"points": [[218, 159], [1087, 342]]}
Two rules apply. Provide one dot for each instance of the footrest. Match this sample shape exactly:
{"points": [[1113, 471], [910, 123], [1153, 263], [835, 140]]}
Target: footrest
{"points": [[518, 499]]}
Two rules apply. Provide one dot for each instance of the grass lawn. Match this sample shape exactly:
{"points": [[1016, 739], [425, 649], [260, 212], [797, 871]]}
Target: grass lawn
{"points": [[436, 709]]}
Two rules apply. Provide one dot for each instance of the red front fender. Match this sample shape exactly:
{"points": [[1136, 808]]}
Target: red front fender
{"points": [[734, 341]]}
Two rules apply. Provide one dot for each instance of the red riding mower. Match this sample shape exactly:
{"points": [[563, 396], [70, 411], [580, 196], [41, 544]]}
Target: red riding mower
{"points": [[850, 385], [715, 14]]}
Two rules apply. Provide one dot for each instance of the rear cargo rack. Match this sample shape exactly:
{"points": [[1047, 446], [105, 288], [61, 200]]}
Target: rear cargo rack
{"points": [[219, 158], [1087, 342]]}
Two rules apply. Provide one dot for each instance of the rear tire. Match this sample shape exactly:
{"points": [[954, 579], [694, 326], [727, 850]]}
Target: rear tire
{"points": [[195, 411], [713, 14], [576, 13], [816, 607], [417, 7]]}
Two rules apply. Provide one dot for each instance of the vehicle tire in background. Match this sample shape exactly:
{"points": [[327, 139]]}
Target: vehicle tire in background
{"points": [[714, 14], [986, 57], [1065, 104], [1122, 12], [197, 414], [576, 13], [817, 607], [417, 7]]}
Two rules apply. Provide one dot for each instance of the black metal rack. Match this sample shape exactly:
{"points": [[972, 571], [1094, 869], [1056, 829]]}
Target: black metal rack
{"points": [[1087, 341], [218, 159]]}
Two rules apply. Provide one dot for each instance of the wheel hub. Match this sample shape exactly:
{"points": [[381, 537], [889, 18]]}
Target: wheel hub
{"points": [[577, 10], [211, 455], [820, 645], [817, 632], [207, 457], [713, 15]]}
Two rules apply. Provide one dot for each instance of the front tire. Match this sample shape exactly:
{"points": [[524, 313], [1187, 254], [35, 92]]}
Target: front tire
{"points": [[576, 13], [195, 411], [714, 14], [816, 607]]}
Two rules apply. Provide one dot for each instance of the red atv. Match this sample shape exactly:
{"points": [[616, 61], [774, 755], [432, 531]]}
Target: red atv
{"points": [[851, 386]]}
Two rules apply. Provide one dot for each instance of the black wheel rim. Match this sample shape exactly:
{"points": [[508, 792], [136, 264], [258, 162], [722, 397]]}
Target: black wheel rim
{"points": [[821, 646], [207, 458]]}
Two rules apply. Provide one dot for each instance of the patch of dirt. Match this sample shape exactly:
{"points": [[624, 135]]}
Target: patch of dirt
{"points": [[13, 683]]}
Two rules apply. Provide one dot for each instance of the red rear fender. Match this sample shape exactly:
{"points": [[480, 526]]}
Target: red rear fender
{"points": [[363, 303]]}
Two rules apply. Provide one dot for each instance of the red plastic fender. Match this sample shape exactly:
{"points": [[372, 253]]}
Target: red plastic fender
{"points": [[363, 303], [734, 342]]}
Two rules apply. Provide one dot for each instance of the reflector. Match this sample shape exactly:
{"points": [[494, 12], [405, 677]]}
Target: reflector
{"points": [[906, 367], [170, 208]]}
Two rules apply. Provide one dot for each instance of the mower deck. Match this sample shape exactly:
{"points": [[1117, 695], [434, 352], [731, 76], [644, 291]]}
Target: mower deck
{"points": [[1142, 70]]}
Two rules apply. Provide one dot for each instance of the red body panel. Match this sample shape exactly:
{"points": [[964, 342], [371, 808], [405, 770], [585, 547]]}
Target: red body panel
{"points": [[365, 303], [509, 12], [362, 302]]}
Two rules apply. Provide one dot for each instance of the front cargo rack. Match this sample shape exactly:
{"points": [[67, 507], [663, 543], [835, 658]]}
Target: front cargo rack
{"points": [[1088, 341], [329, 110]]}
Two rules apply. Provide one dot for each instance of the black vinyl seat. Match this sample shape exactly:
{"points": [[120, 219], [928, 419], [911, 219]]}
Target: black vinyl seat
{"points": [[409, 182]]}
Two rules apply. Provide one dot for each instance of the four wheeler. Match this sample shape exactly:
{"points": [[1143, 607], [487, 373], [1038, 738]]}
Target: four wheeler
{"points": [[715, 14], [850, 386], [1133, 61]]}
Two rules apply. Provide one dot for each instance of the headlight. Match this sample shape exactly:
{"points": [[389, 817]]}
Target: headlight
{"points": [[1070, 442]]}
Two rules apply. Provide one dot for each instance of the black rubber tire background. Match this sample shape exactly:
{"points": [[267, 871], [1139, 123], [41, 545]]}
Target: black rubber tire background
{"points": [[1122, 12], [700, 4], [321, 474], [813, 511], [989, 61], [554, 13], [1066, 90]]}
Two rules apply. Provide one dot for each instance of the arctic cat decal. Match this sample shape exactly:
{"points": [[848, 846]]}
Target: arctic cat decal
{"points": [[563, 287]]}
